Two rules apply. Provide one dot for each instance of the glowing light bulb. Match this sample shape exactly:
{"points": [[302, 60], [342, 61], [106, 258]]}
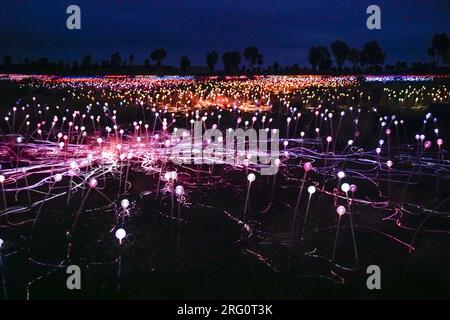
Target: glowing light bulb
{"points": [[93, 183], [121, 234], [345, 187], [2, 178], [125, 203], [341, 174], [251, 177], [341, 210], [389, 163], [58, 177], [179, 190], [307, 166], [311, 189]]}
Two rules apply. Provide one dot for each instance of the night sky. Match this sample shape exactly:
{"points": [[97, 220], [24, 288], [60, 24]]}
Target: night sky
{"points": [[283, 30]]}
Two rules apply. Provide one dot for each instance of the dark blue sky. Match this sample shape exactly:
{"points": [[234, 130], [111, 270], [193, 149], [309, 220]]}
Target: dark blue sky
{"points": [[283, 30]]}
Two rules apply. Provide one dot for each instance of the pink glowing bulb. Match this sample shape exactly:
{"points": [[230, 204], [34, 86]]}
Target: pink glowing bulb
{"points": [[427, 144], [440, 142], [307, 166], [2, 178], [329, 139], [353, 188], [93, 183]]}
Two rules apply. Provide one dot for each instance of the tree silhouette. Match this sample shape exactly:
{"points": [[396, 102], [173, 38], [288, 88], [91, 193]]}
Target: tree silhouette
{"points": [[7, 61], [372, 54], [313, 57], [131, 60], [354, 57], [340, 52], [252, 55], [211, 59], [116, 60], [276, 67], [325, 61], [441, 46], [231, 61], [432, 53], [185, 63], [158, 55], [86, 63]]}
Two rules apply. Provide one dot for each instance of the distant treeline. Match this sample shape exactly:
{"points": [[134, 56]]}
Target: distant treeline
{"points": [[338, 59]]}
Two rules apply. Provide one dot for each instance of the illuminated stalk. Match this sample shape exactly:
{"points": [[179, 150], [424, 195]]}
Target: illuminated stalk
{"points": [[333, 256], [251, 177], [42, 204], [305, 221], [4, 197], [297, 205], [5, 293], [352, 228]]}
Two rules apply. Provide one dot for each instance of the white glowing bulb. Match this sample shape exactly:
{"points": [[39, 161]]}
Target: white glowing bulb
{"points": [[1, 243], [311, 189], [340, 210], [2, 178], [125, 203], [341, 174], [120, 234], [58, 177], [179, 190], [389, 163], [345, 187], [251, 177]]}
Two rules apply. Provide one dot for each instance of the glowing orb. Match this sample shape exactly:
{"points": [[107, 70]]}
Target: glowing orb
{"points": [[341, 210], [120, 234], [125, 203], [345, 187]]}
